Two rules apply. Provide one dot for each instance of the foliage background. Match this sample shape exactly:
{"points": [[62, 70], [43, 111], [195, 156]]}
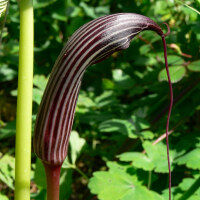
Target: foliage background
{"points": [[122, 105]]}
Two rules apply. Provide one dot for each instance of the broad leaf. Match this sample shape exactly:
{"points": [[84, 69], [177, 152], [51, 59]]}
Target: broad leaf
{"points": [[65, 183], [186, 183], [8, 131], [174, 60], [189, 184], [37, 95], [3, 197], [157, 153], [147, 134], [131, 127], [118, 125], [39, 175], [156, 158], [43, 3], [40, 81], [94, 12], [191, 159], [176, 72], [109, 185], [107, 98], [122, 80], [194, 66], [6, 73], [138, 160], [84, 101], [76, 144], [7, 170]]}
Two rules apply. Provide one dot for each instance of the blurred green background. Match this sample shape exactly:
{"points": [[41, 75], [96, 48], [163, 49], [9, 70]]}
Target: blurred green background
{"points": [[122, 106]]}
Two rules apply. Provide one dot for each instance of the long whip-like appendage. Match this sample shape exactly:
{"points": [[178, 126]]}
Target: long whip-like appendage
{"points": [[170, 106]]}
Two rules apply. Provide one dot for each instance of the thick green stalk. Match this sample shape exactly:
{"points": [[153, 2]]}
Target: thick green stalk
{"points": [[24, 103]]}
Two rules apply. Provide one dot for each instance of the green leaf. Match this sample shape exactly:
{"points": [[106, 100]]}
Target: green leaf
{"points": [[155, 158], [176, 73], [131, 127], [165, 193], [191, 12], [160, 7], [121, 185], [95, 12], [138, 160], [108, 84], [147, 134], [145, 61], [42, 47], [7, 170], [173, 60], [9, 130], [75, 23], [102, 10], [191, 159], [65, 183], [117, 167], [107, 98], [136, 90], [7, 74], [37, 95], [40, 81], [3, 197], [88, 10], [39, 195], [39, 176], [84, 101], [122, 80], [194, 66], [76, 144], [72, 11], [144, 49], [118, 125], [42, 3], [140, 123], [157, 153], [190, 188], [186, 183]]}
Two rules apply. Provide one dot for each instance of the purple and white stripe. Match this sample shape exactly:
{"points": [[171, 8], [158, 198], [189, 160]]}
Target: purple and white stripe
{"points": [[90, 44]]}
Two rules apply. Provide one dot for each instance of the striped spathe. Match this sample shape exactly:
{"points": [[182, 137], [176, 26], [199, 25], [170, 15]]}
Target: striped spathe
{"points": [[91, 43]]}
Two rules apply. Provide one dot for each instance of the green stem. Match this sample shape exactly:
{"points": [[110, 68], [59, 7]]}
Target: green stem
{"points": [[52, 178], [73, 166], [82, 173], [24, 103], [191, 190], [149, 181]]}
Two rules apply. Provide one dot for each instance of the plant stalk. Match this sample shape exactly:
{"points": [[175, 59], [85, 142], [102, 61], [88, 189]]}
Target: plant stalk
{"points": [[79, 171], [150, 180], [52, 178], [24, 102]]}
